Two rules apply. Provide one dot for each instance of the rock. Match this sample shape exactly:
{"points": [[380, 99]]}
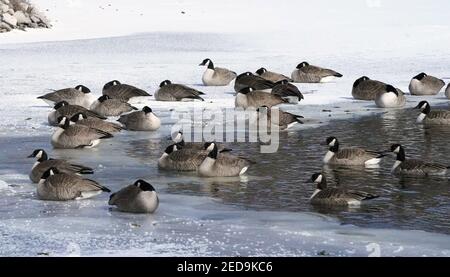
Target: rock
{"points": [[11, 20], [4, 8], [24, 6], [11, 11], [6, 2], [5, 27], [22, 18]]}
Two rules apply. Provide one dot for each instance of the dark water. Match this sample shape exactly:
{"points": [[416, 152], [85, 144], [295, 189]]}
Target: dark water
{"points": [[278, 181]]}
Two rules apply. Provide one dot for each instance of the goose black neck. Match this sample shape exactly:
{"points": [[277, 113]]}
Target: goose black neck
{"points": [[323, 184], [210, 65], [213, 153], [335, 147], [43, 157], [401, 155]]}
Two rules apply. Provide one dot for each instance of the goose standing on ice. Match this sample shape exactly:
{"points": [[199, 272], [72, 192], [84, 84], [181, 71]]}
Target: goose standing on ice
{"points": [[216, 76], [124, 92], [424, 84], [176, 92], [139, 197], [248, 79], [272, 76], [215, 165], [64, 109], [179, 159], [285, 120], [144, 120], [76, 135], [43, 163], [390, 98], [96, 123], [107, 106], [350, 156], [429, 117], [80, 95], [58, 186], [403, 166], [306, 73], [324, 195], [248, 97]]}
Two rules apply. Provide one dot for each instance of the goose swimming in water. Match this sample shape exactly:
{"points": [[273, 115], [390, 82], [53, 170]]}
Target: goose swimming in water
{"points": [[324, 195], [57, 186], [139, 197], [43, 163], [350, 156], [403, 166], [432, 117], [306, 73], [216, 76], [179, 159], [285, 120], [215, 165]]}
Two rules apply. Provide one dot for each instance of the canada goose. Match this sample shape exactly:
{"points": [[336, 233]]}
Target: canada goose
{"points": [[272, 76], [285, 120], [76, 135], [415, 167], [139, 197], [64, 109], [248, 97], [447, 91], [80, 95], [429, 117], [367, 89], [216, 76], [306, 73], [58, 186], [248, 79], [43, 163], [177, 158], [144, 120], [350, 156], [178, 138], [215, 165], [323, 195], [285, 89], [93, 122], [390, 98], [176, 92], [124, 92], [424, 84], [107, 106]]}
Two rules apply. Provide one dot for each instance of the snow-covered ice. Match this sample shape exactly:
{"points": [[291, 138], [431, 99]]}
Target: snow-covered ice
{"points": [[153, 41]]}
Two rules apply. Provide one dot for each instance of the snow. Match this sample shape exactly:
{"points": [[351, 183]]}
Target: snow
{"points": [[145, 42]]}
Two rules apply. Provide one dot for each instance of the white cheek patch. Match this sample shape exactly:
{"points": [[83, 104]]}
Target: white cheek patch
{"points": [[39, 155], [332, 143], [319, 179], [210, 147]]}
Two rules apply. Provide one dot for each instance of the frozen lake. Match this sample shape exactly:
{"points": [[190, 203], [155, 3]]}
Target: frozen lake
{"points": [[266, 213]]}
